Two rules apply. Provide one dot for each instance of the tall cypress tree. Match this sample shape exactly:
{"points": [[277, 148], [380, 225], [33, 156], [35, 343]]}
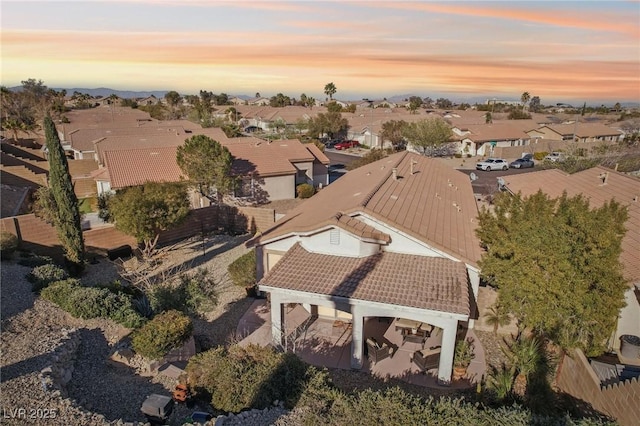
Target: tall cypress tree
{"points": [[64, 209]]}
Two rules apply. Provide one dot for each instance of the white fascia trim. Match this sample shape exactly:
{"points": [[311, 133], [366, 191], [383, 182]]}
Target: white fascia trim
{"points": [[392, 310], [410, 237]]}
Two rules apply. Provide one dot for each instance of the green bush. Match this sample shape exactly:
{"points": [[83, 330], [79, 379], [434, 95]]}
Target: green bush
{"points": [[93, 302], [305, 190], [457, 155], [539, 156], [250, 377], [163, 333], [195, 293], [43, 275], [243, 270], [8, 245], [33, 261]]}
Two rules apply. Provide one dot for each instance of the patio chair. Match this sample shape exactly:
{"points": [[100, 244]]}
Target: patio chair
{"points": [[378, 352], [426, 359]]}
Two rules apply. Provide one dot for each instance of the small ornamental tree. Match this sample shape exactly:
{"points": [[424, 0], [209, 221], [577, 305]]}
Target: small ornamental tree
{"points": [[555, 263], [207, 164], [243, 270], [58, 204], [144, 211], [429, 136]]}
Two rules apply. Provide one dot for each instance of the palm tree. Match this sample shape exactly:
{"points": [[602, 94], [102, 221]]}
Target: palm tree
{"points": [[330, 90], [525, 354], [525, 98], [497, 316]]}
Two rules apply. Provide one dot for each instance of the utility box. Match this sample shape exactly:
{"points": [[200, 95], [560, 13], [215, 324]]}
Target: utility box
{"points": [[157, 407]]}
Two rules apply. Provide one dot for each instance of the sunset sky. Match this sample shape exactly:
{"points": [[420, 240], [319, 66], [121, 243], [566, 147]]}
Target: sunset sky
{"points": [[561, 51]]}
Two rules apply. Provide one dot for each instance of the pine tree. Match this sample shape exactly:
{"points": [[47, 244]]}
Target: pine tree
{"points": [[62, 202]]}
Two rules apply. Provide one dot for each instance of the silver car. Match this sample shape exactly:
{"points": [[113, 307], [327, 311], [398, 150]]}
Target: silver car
{"points": [[492, 164]]}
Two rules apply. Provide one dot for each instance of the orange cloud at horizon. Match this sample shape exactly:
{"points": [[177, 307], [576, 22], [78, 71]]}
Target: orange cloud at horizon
{"points": [[205, 59]]}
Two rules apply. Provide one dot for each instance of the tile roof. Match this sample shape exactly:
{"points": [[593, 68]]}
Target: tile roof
{"points": [[84, 139], [317, 153], [623, 188], [435, 205], [584, 130], [498, 131], [399, 279], [136, 166], [359, 228]]}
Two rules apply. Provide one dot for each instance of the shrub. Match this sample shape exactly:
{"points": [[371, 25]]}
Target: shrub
{"points": [[43, 275], [457, 155], [305, 190], [252, 376], [60, 292], [243, 270], [190, 293], [92, 302], [539, 156], [8, 245], [163, 333]]}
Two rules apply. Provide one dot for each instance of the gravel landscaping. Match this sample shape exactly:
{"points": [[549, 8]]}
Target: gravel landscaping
{"points": [[99, 391]]}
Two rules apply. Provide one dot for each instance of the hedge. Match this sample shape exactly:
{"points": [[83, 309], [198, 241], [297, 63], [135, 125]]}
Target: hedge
{"points": [[92, 302], [8, 245], [43, 275]]}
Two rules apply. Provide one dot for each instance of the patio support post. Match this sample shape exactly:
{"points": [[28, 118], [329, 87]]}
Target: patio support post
{"points": [[357, 330], [277, 318], [445, 367]]}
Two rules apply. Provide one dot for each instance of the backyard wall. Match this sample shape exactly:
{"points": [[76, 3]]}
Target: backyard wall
{"points": [[39, 237], [618, 401], [546, 145]]}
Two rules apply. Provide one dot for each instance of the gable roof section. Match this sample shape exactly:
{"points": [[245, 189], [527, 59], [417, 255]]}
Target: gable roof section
{"points": [[620, 187], [435, 204], [317, 153], [400, 279], [584, 130], [137, 166]]}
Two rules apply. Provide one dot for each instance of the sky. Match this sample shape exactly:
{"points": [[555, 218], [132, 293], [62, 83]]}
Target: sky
{"points": [[570, 51]]}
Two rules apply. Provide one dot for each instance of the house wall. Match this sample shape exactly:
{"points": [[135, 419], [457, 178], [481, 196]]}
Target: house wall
{"points": [[320, 174], [629, 318], [618, 401], [338, 242], [278, 187]]}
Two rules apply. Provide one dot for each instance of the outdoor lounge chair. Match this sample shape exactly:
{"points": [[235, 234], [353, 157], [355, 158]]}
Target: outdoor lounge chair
{"points": [[378, 352], [426, 359]]}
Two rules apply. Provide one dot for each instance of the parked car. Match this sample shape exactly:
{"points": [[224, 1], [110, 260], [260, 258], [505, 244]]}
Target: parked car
{"points": [[492, 164], [346, 144], [555, 157], [332, 143], [522, 163]]}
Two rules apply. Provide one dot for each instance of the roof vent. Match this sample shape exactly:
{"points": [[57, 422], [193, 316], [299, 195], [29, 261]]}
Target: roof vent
{"points": [[394, 173], [604, 176], [413, 163]]}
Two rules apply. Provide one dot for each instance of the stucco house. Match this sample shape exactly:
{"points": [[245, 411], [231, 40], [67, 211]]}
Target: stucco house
{"points": [[599, 185], [578, 132], [395, 238]]}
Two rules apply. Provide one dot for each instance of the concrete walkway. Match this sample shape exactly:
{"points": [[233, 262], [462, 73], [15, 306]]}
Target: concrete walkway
{"points": [[327, 343]]}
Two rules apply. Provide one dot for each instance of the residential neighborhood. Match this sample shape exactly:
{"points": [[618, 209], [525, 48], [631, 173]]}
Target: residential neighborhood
{"points": [[371, 261]]}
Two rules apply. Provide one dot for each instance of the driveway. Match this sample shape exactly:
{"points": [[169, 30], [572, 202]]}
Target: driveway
{"points": [[487, 182]]}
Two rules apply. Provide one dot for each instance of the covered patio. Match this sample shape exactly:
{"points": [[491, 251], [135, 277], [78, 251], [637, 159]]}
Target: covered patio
{"points": [[328, 343]]}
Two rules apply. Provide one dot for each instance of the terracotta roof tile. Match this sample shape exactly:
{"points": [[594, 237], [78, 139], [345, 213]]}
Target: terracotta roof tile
{"points": [[137, 166], [400, 279], [623, 188]]}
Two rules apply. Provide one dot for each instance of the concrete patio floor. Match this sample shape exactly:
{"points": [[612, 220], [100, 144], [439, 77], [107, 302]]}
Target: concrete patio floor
{"points": [[327, 343]]}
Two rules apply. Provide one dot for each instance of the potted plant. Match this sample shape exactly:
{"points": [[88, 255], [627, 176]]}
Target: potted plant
{"points": [[462, 358]]}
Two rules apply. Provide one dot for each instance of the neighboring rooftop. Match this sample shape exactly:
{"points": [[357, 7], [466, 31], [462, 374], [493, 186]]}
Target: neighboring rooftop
{"points": [[421, 282]]}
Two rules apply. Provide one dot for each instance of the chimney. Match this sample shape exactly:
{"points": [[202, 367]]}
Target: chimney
{"points": [[616, 168], [604, 176], [395, 173]]}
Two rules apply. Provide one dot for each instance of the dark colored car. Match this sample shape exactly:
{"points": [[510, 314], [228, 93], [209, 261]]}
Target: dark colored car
{"points": [[332, 143], [347, 144], [522, 163]]}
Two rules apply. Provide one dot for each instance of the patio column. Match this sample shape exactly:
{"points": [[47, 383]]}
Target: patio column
{"points": [[356, 337], [445, 367], [277, 318]]}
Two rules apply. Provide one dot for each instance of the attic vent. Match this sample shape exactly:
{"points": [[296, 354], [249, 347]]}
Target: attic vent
{"points": [[153, 153], [334, 237]]}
